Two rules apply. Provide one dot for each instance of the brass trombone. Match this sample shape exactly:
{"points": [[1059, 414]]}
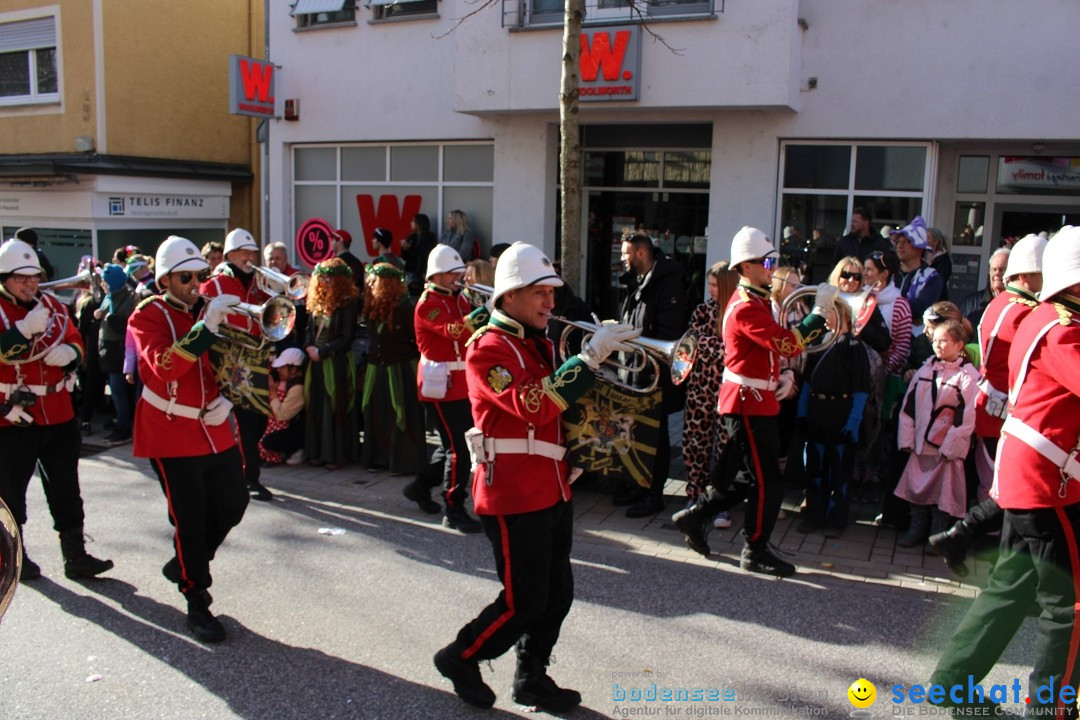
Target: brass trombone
{"points": [[275, 318], [272, 282]]}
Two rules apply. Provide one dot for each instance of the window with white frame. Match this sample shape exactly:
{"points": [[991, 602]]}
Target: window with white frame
{"points": [[388, 9], [28, 62], [319, 13], [360, 187], [821, 183], [551, 12]]}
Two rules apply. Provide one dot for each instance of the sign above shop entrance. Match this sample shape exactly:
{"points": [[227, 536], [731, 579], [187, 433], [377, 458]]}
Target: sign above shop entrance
{"points": [[610, 63], [188, 207]]}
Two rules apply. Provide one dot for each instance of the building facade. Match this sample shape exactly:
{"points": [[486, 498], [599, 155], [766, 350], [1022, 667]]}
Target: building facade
{"points": [[706, 117], [114, 124]]}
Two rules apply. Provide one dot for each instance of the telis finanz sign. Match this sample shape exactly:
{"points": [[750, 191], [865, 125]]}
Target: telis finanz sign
{"points": [[610, 63], [251, 86]]}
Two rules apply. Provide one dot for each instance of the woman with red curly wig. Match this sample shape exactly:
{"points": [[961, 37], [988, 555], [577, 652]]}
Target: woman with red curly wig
{"points": [[393, 418], [330, 385]]}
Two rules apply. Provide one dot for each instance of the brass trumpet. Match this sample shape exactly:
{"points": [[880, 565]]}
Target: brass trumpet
{"points": [[678, 355], [272, 282], [275, 318]]}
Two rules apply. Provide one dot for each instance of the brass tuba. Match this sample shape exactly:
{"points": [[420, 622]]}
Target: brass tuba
{"points": [[854, 301], [10, 557]]}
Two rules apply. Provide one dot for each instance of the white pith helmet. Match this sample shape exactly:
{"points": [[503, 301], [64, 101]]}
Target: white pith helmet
{"points": [[750, 244], [1026, 256], [19, 258], [522, 265], [444, 259], [178, 253], [1061, 262], [239, 239]]}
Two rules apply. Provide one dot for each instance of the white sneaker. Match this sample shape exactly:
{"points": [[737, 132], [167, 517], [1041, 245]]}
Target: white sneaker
{"points": [[722, 520], [296, 458]]}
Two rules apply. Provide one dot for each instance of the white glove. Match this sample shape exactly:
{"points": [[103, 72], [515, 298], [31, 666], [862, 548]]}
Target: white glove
{"points": [[35, 322], [786, 385], [217, 309], [18, 416], [825, 300], [61, 356], [606, 340], [217, 411]]}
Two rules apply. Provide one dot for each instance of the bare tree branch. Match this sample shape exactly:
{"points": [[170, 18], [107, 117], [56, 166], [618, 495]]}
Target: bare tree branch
{"points": [[484, 6], [635, 9]]}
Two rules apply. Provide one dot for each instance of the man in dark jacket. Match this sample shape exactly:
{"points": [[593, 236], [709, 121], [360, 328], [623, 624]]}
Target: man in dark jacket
{"points": [[656, 305], [862, 240]]}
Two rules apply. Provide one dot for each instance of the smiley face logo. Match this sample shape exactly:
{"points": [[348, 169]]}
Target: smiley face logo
{"points": [[862, 693]]}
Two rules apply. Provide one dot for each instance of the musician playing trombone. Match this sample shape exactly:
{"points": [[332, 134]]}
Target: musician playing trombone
{"points": [[38, 426], [752, 387], [520, 485]]}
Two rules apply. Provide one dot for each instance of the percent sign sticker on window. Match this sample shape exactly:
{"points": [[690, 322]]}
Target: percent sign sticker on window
{"points": [[313, 241]]}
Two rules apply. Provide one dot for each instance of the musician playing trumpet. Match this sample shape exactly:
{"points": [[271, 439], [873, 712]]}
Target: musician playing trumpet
{"points": [[752, 387], [520, 485], [38, 426]]}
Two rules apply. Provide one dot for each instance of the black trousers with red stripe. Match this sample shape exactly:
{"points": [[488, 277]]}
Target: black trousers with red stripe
{"points": [[532, 558], [1038, 562], [54, 451], [451, 462], [207, 496], [748, 469]]}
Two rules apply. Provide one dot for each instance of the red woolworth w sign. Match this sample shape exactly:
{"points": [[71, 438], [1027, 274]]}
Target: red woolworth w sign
{"points": [[251, 86], [393, 213], [610, 63]]}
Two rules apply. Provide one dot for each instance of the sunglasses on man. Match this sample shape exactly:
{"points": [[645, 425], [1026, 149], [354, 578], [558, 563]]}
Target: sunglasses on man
{"points": [[769, 263], [187, 277]]}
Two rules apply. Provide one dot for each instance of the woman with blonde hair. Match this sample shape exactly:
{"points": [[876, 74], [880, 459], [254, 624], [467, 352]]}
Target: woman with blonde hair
{"points": [[478, 272], [701, 421], [459, 235], [393, 418], [330, 384]]}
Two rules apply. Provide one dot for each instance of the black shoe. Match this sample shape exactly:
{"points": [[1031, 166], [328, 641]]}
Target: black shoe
{"points": [[418, 492], [542, 692], [953, 545], [692, 526], [465, 674], [258, 491], [204, 626], [807, 526], [118, 437], [648, 506], [171, 571], [86, 566], [29, 570], [459, 520], [629, 496], [86, 428], [762, 560]]}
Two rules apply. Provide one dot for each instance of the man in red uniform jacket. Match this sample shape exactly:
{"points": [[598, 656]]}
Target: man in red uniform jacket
{"points": [[236, 276], [442, 327], [1023, 278], [184, 425], [748, 466], [521, 485], [1037, 482], [37, 421]]}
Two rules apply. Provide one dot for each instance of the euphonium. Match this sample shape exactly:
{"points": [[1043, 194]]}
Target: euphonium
{"points": [[854, 301]]}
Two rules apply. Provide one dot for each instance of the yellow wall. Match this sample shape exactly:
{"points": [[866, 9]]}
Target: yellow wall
{"points": [[48, 128]]}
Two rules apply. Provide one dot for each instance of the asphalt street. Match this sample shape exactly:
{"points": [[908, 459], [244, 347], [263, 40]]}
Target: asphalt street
{"points": [[338, 624]]}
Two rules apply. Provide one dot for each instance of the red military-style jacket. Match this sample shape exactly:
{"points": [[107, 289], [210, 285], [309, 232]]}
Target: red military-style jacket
{"points": [[225, 282], [753, 345], [48, 382], [441, 332], [173, 362], [515, 390], [996, 332], [1047, 401]]}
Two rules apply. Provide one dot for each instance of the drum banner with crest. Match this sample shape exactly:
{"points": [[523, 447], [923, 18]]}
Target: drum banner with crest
{"points": [[242, 373], [612, 432]]}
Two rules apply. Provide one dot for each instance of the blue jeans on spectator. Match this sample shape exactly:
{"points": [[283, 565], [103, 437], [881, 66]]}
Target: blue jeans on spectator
{"points": [[122, 397]]}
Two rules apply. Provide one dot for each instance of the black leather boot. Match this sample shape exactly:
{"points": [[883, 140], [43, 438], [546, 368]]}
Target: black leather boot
{"points": [[77, 562], [760, 559], [533, 686], [202, 623], [953, 545], [918, 529], [693, 522], [29, 569], [420, 493], [465, 675]]}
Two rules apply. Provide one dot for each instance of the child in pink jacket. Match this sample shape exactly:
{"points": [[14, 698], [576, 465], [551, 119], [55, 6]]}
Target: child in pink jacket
{"points": [[936, 424]]}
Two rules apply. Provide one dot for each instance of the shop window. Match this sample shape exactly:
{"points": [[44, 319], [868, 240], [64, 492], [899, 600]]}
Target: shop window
{"points": [[414, 162], [885, 167], [817, 166], [968, 224], [550, 12], [28, 62], [316, 163], [687, 169], [321, 13], [363, 164], [388, 9], [971, 176], [469, 163]]}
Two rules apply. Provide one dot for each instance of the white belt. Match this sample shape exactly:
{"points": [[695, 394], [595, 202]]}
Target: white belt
{"points": [[757, 383], [450, 365], [170, 407], [994, 394], [1067, 463], [522, 446], [40, 390]]}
